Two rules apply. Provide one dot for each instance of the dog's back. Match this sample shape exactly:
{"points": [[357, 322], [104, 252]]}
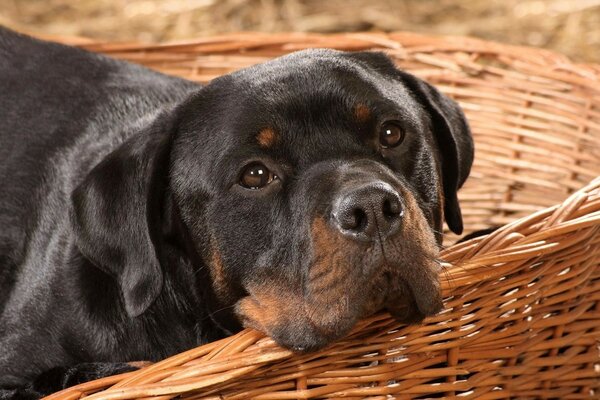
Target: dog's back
{"points": [[61, 111]]}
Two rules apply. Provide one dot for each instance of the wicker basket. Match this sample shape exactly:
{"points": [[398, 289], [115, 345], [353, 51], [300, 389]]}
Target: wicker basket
{"points": [[522, 316]]}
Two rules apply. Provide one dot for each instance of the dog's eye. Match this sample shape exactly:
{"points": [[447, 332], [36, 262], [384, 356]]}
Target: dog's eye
{"points": [[391, 135], [256, 176]]}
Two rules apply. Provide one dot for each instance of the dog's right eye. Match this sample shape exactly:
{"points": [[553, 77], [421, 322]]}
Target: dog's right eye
{"points": [[391, 134], [256, 176]]}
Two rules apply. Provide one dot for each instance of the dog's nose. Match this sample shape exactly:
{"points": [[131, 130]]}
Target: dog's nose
{"points": [[368, 212]]}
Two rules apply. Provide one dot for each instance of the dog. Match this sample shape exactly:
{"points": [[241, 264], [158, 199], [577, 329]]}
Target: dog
{"points": [[143, 214]]}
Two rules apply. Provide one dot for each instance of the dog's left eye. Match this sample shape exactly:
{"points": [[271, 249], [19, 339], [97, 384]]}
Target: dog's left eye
{"points": [[391, 134], [256, 176]]}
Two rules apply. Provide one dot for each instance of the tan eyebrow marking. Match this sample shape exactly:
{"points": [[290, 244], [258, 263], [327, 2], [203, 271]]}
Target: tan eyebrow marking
{"points": [[266, 137], [362, 113]]}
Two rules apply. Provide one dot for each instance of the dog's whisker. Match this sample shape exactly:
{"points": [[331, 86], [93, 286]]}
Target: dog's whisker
{"points": [[446, 275], [197, 271], [447, 235]]}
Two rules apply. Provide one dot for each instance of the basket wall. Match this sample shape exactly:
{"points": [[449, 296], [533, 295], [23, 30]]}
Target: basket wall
{"points": [[522, 316]]}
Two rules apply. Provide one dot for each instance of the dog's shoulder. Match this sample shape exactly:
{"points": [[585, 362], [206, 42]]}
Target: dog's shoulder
{"points": [[62, 109], [50, 75], [53, 96]]}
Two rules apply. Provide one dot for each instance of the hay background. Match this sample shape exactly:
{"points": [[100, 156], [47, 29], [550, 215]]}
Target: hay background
{"points": [[571, 27]]}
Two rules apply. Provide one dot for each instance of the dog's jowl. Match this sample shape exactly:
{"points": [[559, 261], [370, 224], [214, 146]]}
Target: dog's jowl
{"points": [[142, 215]]}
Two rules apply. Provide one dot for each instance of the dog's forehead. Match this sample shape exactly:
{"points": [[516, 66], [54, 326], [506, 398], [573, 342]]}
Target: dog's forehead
{"points": [[318, 71], [308, 64], [305, 106], [315, 82]]}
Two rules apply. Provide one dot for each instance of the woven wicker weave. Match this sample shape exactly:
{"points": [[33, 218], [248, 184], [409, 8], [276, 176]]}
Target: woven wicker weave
{"points": [[522, 316]]}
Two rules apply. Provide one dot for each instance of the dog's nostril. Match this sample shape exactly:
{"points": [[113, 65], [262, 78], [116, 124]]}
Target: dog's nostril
{"points": [[352, 219], [368, 212], [391, 208], [360, 219]]}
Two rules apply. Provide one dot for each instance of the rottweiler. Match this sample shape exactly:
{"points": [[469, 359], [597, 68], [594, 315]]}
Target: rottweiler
{"points": [[142, 214]]}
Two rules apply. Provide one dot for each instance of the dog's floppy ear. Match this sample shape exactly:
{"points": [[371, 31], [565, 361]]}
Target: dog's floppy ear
{"points": [[454, 141], [116, 214], [450, 129]]}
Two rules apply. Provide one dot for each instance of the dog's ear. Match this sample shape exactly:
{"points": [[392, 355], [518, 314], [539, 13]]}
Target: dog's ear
{"points": [[450, 129], [116, 213], [454, 142]]}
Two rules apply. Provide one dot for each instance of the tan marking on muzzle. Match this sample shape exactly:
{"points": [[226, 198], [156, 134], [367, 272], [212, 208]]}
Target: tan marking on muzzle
{"points": [[266, 137], [327, 272], [331, 291], [262, 310], [272, 308], [414, 224], [421, 270], [324, 303], [336, 292]]}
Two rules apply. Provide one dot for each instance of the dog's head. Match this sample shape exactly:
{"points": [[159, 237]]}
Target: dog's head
{"points": [[313, 189]]}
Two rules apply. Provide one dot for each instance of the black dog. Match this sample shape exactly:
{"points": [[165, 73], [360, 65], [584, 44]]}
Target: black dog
{"points": [[142, 214]]}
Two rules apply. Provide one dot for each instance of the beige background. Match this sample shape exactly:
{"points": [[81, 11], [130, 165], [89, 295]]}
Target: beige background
{"points": [[568, 26]]}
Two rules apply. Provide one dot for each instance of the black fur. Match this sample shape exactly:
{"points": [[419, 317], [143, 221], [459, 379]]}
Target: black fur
{"points": [[59, 378], [125, 236]]}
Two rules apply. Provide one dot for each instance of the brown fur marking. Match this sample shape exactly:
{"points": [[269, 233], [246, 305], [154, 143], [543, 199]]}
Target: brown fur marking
{"points": [[329, 290], [217, 271], [330, 287], [334, 288], [414, 224], [140, 364], [328, 247], [362, 113], [266, 137], [262, 310]]}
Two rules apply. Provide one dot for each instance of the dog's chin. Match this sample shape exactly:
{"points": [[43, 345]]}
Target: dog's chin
{"points": [[302, 323], [408, 303], [301, 334], [410, 308], [407, 311], [298, 333]]}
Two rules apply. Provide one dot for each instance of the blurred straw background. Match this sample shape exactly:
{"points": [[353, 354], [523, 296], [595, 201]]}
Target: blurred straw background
{"points": [[571, 27]]}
